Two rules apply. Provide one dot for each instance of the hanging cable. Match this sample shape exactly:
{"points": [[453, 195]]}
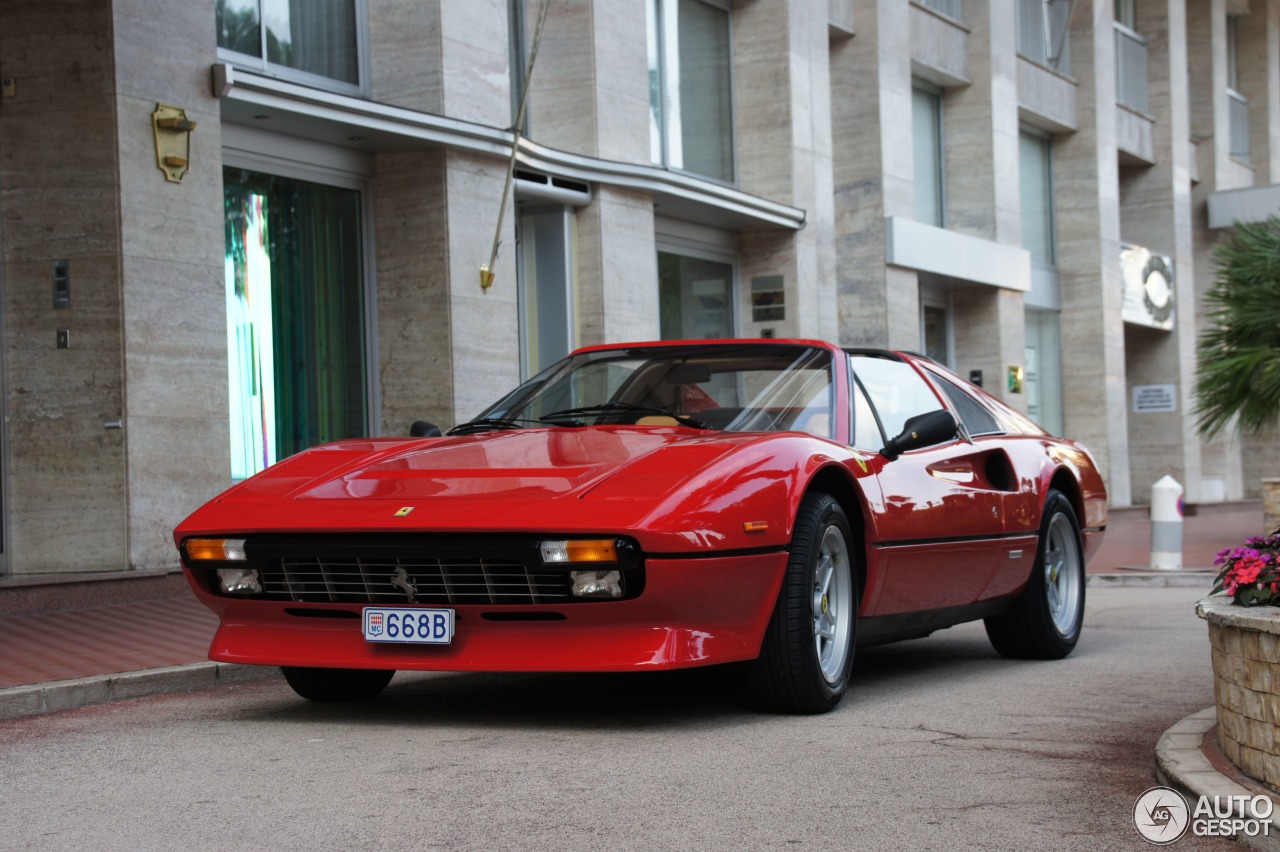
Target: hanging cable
{"points": [[486, 269]]}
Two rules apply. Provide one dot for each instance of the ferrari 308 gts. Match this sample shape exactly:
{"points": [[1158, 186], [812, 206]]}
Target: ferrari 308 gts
{"points": [[770, 503]]}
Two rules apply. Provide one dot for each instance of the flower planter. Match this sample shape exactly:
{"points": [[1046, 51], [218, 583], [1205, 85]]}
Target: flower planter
{"points": [[1246, 684]]}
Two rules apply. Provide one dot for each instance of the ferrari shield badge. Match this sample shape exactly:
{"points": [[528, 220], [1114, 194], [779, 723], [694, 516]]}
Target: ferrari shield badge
{"points": [[403, 511]]}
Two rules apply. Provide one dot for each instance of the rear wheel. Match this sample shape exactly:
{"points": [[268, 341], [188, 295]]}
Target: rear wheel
{"points": [[1044, 623], [807, 653], [336, 684]]}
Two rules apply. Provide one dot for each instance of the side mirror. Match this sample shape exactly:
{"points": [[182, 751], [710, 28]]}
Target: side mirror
{"points": [[923, 430], [423, 429]]}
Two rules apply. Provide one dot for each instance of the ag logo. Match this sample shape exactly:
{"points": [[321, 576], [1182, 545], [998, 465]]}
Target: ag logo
{"points": [[1161, 815]]}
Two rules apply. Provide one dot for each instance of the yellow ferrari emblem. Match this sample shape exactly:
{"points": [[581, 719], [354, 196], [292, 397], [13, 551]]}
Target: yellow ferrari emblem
{"points": [[404, 510]]}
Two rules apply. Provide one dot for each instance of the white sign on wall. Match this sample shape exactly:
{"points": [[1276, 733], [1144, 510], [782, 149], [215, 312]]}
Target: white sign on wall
{"points": [[1149, 399]]}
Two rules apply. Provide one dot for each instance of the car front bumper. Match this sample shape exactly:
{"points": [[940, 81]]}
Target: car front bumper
{"points": [[693, 612]]}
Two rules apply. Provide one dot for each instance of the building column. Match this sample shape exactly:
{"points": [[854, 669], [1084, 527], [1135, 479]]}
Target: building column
{"points": [[784, 146], [172, 249], [1220, 462], [873, 165], [589, 95], [980, 129], [1086, 194], [1155, 210]]}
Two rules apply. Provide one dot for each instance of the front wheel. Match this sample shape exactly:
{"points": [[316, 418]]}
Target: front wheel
{"points": [[1044, 622], [336, 684], [807, 652]]}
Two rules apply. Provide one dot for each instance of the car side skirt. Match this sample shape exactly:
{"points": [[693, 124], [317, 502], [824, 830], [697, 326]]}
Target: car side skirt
{"points": [[882, 629]]}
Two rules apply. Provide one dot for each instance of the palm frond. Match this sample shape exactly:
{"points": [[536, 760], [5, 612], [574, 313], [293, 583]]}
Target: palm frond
{"points": [[1238, 368]]}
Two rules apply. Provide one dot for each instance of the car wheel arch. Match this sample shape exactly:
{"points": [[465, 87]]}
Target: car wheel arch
{"points": [[1066, 484], [837, 483]]}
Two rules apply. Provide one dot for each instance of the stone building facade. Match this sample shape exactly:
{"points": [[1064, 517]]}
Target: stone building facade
{"points": [[1027, 190]]}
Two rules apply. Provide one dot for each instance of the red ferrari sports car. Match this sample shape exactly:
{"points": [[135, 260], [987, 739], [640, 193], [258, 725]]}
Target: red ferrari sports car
{"points": [[772, 503]]}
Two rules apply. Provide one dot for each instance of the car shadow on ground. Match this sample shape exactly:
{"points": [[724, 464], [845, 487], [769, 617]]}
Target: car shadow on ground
{"points": [[712, 696]]}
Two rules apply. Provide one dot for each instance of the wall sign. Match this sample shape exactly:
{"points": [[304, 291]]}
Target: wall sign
{"points": [[1150, 399]]}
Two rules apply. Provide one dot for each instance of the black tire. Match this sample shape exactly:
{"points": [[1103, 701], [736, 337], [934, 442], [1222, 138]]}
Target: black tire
{"points": [[807, 652], [1044, 623], [337, 684]]}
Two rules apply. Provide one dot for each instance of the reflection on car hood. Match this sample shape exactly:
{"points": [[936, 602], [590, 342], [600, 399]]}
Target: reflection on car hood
{"points": [[526, 464]]}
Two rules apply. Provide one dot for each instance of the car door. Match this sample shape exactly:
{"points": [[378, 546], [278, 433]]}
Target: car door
{"points": [[939, 528]]}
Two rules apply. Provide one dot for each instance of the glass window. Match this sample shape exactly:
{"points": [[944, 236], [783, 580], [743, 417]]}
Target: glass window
{"points": [[950, 8], [1044, 32], [690, 89], [545, 266], [737, 387], [317, 38], [1043, 379], [926, 114], [695, 297], [295, 317], [866, 431], [895, 389], [519, 62], [975, 418], [1035, 159], [936, 333]]}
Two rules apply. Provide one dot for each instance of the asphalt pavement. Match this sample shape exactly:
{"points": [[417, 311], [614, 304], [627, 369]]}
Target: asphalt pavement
{"points": [[61, 659]]}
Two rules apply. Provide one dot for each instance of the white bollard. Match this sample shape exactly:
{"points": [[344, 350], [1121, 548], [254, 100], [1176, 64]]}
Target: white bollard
{"points": [[1166, 525]]}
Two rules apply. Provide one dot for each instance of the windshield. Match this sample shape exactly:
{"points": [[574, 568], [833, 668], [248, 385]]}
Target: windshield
{"points": [[735, 387]]}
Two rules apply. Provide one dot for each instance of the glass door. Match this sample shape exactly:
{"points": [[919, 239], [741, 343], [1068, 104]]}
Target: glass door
{"points": [[296, 339]]}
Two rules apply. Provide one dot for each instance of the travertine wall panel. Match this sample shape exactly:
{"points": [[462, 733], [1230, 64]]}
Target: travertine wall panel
{"points": [[873, 176], [474, 60], [785, 153], [483, 323], [1155, 211], [617, 268], [404, 46], [171, 237], [415, 363], [58, 191], [1086, 197]]}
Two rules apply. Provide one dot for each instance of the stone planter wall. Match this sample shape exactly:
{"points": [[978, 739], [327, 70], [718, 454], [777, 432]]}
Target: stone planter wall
{"points": [[1246, 684]]}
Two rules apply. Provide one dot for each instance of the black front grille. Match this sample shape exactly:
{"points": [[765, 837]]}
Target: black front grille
{"points": [[419, 569], [421, 580]]}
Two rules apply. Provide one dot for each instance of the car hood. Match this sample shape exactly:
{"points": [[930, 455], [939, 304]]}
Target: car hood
{"points": [[597, 478], [527, 464]]}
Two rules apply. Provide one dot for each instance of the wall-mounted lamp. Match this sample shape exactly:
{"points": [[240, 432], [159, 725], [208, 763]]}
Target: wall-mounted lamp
{"points": [[1016, 375], [172, 131]]}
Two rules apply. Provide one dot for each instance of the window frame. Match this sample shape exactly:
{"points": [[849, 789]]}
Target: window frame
{"points": [[655, 32], [262, 65]]}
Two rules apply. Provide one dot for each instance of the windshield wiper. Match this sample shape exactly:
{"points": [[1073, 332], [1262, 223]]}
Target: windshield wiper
{"points": [[615, 407], [490, 424]]}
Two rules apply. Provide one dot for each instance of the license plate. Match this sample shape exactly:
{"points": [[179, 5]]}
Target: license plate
{"points": [[404, 624]]}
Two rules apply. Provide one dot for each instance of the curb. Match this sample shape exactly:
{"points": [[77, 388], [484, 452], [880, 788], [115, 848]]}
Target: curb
{"points": [[22, 701], [1181, 764], [1152, 579]]}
